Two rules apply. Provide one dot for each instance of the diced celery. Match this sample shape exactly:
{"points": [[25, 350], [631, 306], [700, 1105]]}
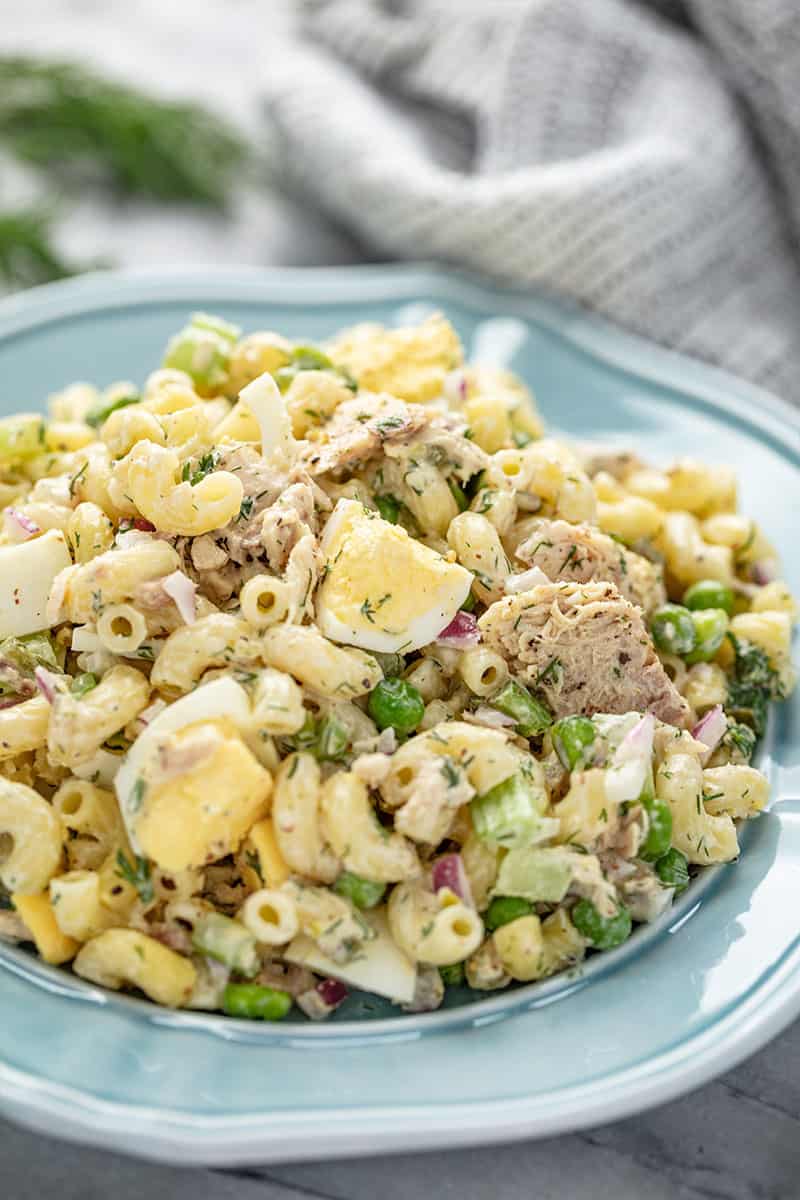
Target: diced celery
{"points": [[81, 684], [201, 320], [31, 651], [21, 437], [531, 715], [510, 814], [540, 873], [573, 740], [102, 410], [202, 349], [228, 942], [323, 736], [310, 358]]}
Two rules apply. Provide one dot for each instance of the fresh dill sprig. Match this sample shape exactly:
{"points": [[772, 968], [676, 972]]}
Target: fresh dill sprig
{"points": [[27, 253], [64, 118]]}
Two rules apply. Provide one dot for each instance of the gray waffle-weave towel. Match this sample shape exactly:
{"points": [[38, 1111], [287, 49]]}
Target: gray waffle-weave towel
{"points": [[641, 158]]}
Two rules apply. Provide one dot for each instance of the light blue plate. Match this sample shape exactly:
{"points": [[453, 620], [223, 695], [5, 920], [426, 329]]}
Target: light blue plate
{"points": [[678, 1003]]}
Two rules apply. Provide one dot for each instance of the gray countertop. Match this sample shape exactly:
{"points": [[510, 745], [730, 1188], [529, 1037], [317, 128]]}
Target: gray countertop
{"points": [[735, 1139]]}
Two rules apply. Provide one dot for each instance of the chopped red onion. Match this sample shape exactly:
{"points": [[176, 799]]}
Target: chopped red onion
{"points": [[455, 387], [491, 717], [386, 742], [47, 683], [526, 580], [332, 992], [18, 525], [448, 872], [181, 589], [764, 571], [151, 712], [144, 526], [711, 728], [461, 633], [626, 775], [131, 537]]}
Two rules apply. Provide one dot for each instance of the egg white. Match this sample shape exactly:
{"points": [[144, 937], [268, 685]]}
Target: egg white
{"points": [[424, 626]]}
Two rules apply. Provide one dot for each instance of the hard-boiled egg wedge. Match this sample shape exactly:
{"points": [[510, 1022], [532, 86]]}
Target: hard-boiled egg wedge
{"points": [[27, 571], [380, 966], [222, 697], [382, 589], [260, 416]]}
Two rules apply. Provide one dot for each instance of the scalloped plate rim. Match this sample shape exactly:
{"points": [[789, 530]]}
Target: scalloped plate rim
{"points": [[771, 1003]]}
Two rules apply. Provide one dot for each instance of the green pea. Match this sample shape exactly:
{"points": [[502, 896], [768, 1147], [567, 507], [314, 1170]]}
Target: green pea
{"points": [[396, 703], [659, 832], [362, 892], [504, 909], [531, 715], [82, 684], [708, 593], [572, 737], [711, 625], [324, 737], [227, 941], [673, 870], [452, 976], [102, 410], [255, 1003], [673, 629], [604, 933], [389, 508]]}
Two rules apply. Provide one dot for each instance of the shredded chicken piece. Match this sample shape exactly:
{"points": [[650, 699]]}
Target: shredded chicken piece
{"points": [[171, 934], [13, 928], [589, 882], [372, 768], [443, 443], [428, 814], [287, 977], [616, 462], [583, 553], [207, 555], [586, 648], [644, 894], [279, 515], [361, 428], [428, 992]]}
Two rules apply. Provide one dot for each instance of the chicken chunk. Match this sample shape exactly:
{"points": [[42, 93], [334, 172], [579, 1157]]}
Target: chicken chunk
{"points": [[442, 442], [359, 429], [583, 553], [614, 461], [586, 648], [278, 524]]}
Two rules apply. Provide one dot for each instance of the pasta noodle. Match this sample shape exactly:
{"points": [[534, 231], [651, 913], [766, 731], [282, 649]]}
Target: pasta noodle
{"points": [[321, 663]]}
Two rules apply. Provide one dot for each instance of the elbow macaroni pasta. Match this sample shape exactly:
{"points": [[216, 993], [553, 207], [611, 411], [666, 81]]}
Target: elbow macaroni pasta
{"points": [[324, 765]]}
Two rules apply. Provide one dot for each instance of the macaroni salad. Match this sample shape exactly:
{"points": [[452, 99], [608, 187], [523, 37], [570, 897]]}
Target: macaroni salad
{"points": [[323, 667]]}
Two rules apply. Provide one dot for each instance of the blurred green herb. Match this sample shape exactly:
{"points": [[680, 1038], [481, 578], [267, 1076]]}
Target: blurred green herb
{"points": [[79, 127], [64, 116], [27, 253]]}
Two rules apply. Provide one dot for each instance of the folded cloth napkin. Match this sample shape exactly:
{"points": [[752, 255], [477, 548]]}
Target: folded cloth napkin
{"points": [[641, 158]]}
